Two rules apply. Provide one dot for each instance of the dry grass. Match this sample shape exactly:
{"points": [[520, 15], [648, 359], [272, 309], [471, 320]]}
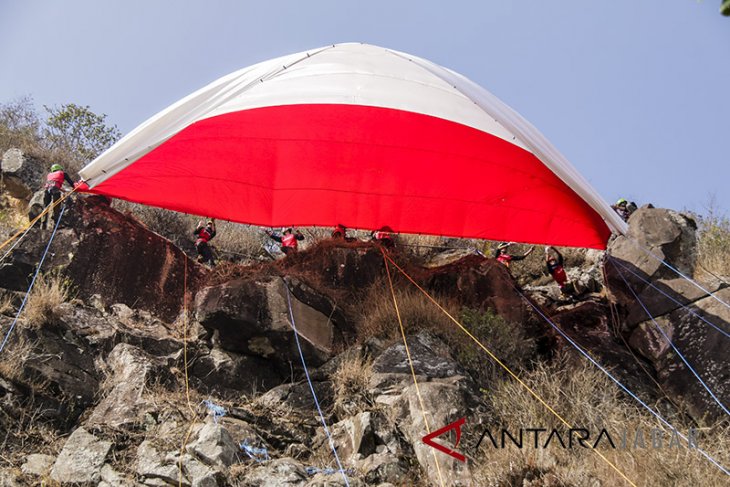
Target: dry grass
{"points": [[588, 399], [379, 318], [351, 381], [12, 214], [14, 356], [714, 243], [6, 304], [44, 302]]}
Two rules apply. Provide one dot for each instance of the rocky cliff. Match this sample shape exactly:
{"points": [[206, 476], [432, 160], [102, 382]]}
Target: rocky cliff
{"points": [[163, 372]]}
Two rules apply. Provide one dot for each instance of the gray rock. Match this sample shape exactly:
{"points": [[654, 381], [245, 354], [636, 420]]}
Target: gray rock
{"points": [[38, 464], [214, 446], [22, 175], [81, 459], [704, 347], [252, 317], [112, 478], [129, 370], [202, 475], [35, 205], [283, 472], [354, 435], [154, 465], [383, 467]]}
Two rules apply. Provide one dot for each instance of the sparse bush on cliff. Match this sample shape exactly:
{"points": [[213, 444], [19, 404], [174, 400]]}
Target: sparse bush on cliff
{"points": [[44, 302], [714, 242]]}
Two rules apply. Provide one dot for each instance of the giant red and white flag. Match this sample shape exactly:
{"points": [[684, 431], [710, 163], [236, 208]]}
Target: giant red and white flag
{"points": [[358, 135]]}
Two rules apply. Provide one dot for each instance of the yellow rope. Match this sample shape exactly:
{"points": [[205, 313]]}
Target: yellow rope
{"points": [[35, 220], [185, 365], [410, 363], [509, 371]]}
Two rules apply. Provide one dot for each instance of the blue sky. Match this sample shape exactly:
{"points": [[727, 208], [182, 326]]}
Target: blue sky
{"points": [[633, 92]]}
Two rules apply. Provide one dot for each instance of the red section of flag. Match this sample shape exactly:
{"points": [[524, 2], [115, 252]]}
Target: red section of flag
{"points": [[361, 166]]}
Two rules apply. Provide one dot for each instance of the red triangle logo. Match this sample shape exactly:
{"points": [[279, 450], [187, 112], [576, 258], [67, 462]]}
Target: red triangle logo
{"points": [[428, 439]]}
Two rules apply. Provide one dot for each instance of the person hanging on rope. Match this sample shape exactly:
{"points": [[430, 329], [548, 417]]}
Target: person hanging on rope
{"points": [[53, 190], [205, 233], [340, 233], [383, 236], [624, 208], [503, 256], [554, 264], [288, 239]]}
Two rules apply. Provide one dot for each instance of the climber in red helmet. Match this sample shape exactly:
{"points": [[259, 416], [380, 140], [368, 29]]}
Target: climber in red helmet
{"points": [[383, 236], [502, 254], [204, 234], [288, 239], [340, 233], [53, 189]]}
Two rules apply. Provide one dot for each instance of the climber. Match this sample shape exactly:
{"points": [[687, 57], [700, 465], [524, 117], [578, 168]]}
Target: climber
{"points": [[53, 190], [204, 234], [502, 255], [288, 239], [384, 236], [624, 208], [340, 233], [554, 264]]}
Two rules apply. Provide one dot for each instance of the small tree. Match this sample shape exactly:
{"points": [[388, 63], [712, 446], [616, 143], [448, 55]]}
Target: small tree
{"points": [[19, 125], [78, 132]]}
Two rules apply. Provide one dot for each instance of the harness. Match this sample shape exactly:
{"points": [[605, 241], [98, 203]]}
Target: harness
{"points": [[55, 180], [289, 240], [204, 236]]}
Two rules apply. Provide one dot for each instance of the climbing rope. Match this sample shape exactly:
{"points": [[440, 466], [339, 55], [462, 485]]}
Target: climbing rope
{"points": [[677, 271], [311, 387], [410, 363], [507, 369], [684, 306], [186, 438], [32, 282], [26, 228], [615, 380], [669, 341], [616, 325]]}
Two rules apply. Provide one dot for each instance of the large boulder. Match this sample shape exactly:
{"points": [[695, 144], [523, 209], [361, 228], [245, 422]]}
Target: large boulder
{"points": [[129, 371], [649, 296], [22, 174], [81, 460], [669, 236], [252, 317], [703, 346], [105, 253]]}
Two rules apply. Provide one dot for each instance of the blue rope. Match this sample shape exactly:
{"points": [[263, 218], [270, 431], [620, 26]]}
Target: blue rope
{"points": [[665, 263], [15, 244], [626, 389], [32, 282], [218, 411], [669, 341], [626, 268], [311, 387], [258, 454]]}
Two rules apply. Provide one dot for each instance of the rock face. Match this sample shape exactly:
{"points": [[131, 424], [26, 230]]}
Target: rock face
{"points": [[651, 296], [130, 369], [22, 175], [81, 459], [252, 317], [107, 254]]}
